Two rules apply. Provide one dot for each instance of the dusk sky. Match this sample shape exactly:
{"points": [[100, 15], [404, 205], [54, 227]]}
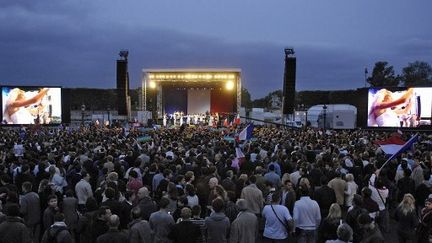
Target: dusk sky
{"points": [[75, 43]]}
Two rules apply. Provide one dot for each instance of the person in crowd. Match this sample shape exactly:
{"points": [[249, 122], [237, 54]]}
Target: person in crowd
{"points": [[86, 221], [253, 196], [278, 221], [70, 210], [351, 189], [139, 229], [185, 231], [344, 234], [146, 203], [424, 229], [406, 184], [272, 177], [30, 209], [113, 235], [125, 209], [307, 217], [371, 232], [244, 228], [58, 231], [50, 211], [407, 219], [369, 204], [325, 196], [329, 225], [99, 225], [217, 224], [83, 191], [161, 222], [380, 194], [338, 185], [288, 196], [13, 228], [351, 217]]}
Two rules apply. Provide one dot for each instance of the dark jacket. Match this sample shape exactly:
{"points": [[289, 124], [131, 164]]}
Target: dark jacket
{"points": [[139, 231], [147, 206], [351, 220], [407, 223], [372, 236], [114, 205], [60, 232], [185, 232], [14, 230], [113, 236], [84, 227], [405, 185], [125, 214], [327, 230], [30, 208], [217, 227], [99, 227], [324, 196]]}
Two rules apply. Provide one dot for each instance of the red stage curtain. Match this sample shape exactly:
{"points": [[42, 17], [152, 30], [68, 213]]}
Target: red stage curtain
{"points": [[222, 100]]}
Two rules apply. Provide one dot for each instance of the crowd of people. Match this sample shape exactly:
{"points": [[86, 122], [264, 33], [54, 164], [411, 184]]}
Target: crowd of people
{"points": [[188, 184]]}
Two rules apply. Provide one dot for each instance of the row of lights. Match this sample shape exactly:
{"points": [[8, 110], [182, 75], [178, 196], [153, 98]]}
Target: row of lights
{"points": [[192, 76], [229, 85]]}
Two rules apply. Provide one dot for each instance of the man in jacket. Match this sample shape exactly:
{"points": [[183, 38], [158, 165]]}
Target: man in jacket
{"points": [[139, 229], [161, 222], [253, 196], [185, 231], [113, 235], [217, 224], [58, 231], [30, 210], [244, 228], [325, 196], [14, 229]]}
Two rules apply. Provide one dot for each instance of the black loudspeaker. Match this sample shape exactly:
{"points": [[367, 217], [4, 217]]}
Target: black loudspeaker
{"points": [[289, 84], [66, 105], [122, 87]]}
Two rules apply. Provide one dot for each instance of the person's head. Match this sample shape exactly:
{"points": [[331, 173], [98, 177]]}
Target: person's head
{"points": [[104, 213], [344, 232], [272, 167], [349, 177], [189, 177], [323, 180], [276, 197], [52, 201], [186, 213], [110, 193], [91, 204], [242, 205], [113, 221], [196, 211], [366, 192], [190, 190], [407, 172], [59, 217], [218, 205], [143, 192], [133, 174], [288, 185], [12, 210], [85, 176], [26, 187], [304, 191], [428, 204], [408, 204], [358, 200], [252, 179], [136, 213], [163, 203], [180, 180], [335, 211], [213, 182], [365, 221]]}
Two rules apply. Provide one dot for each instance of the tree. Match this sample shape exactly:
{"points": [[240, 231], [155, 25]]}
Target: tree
{"points": [[417, 74], [383, 76], [246, 98]]}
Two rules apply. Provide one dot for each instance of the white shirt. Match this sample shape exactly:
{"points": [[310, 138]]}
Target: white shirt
{"points": [[274, 229], [83, 191]]}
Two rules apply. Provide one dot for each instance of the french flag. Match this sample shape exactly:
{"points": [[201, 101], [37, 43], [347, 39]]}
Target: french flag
{"points": [[246, 134], [402, 148], [239, 159], [391, 145]]}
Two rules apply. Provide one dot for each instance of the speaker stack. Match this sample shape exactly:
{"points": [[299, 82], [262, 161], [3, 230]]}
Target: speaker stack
{"points": [[123, 84], [289, 82]]}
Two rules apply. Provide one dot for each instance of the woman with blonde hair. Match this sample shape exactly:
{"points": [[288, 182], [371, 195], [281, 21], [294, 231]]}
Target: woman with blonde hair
{"points": [[407, 219], [328, 227], [350, 190], [15, 111]]}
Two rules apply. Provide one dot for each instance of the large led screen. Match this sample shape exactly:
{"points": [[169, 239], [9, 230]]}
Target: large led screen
{"points": [[407, 107], [31, 105]]}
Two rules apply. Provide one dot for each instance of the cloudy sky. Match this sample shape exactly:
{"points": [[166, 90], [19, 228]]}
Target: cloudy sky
{"points": [[74, 43]]}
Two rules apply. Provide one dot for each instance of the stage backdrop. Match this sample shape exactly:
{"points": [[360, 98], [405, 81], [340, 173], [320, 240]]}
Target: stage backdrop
{"points": [[221, 101], [198, 101], [174, 99]]}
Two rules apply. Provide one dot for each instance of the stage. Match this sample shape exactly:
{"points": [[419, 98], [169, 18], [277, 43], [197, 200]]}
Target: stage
{"points": [[191, 91]]}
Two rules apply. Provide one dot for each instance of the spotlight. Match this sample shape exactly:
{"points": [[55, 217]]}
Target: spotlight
{"points": [[152, 84], [229, 85]]}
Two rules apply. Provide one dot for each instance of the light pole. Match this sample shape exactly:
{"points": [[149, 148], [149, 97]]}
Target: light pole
{"points": [[83, 107], [325, 115], [109, 121]]}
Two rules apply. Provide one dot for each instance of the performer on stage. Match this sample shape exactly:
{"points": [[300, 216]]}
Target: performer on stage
{"points": [[164, 121]]}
